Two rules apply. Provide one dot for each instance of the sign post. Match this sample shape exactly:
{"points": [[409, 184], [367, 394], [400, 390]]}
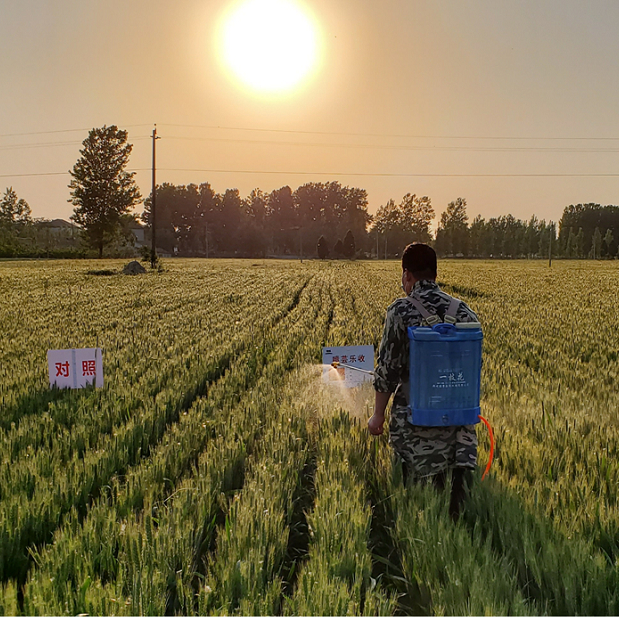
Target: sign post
{"points": [[75, 368], [355, 357]]}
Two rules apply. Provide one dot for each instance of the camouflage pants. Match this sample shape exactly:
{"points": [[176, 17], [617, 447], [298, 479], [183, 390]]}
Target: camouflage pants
{"points": [[430, 450]]}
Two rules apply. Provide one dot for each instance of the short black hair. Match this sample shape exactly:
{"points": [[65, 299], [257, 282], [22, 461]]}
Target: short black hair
{"points": [[420, 261]]}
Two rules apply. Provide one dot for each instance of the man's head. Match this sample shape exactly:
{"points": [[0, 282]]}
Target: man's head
{"points": [[418, 264]]}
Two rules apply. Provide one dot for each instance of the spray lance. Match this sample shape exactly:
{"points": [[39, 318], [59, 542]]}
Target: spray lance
{"points": [[337, 364]]}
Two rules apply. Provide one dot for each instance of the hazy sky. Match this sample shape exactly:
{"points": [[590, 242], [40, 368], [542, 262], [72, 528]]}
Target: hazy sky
{"points": [[513, 105]]}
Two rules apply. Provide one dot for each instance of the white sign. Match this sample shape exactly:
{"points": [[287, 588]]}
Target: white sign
{"points": [[75, 368], [355, 357]]}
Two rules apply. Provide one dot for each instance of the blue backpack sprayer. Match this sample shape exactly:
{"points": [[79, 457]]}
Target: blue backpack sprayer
{"points": [[444, 371]]}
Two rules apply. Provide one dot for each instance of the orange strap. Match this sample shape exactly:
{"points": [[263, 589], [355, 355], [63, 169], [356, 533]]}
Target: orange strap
{"points": [[487, 424]]}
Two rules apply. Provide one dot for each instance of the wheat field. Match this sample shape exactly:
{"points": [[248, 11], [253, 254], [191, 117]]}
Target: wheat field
{"points": [[215, 474]]}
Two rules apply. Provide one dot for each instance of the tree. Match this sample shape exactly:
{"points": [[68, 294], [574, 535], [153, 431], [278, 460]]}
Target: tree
{"points": [[256, 206], [546, 239], [608, 240], [531, 238], [329, 209], [252, 235], [416, 217], [477, 232], [14, 211], [453, 231], [15, 219], [348, 248], [570, 244], [338, 248], [388, 223], [179, 229], [228, 221], [404, 223], [588, 217], [282, 217], [322, 248], [580, 243], [513, 232], [596, 244], [209, 207], [102, 191]]}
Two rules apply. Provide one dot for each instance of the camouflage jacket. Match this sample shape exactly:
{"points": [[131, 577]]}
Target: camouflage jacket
{"points": [[393, 355]]}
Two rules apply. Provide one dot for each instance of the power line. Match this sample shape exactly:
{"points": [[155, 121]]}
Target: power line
{"points": [[55, 173], [41, 145], [53, 144], [360, 174], [65, 131], [397, 135], [340, 133], [396, 147], [552, 149], [340, 145], [29, 175], [386, 175]]}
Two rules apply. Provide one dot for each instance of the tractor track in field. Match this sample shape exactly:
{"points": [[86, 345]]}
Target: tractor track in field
{"points": [[387, 560], [297, 550], [299, 536]]}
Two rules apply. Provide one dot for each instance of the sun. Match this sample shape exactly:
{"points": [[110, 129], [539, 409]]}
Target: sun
{"points": [[271, 46]]}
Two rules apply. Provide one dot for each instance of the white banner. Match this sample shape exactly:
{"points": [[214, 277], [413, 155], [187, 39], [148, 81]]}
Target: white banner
{"points": [[356, 357], [75, 368]]}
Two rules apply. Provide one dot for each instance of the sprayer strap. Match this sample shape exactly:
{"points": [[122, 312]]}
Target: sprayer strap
{"points": [[452, 310], [431, 318]]}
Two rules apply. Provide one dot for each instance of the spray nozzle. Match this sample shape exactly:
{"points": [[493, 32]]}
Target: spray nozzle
{"points": [[337, 365]]}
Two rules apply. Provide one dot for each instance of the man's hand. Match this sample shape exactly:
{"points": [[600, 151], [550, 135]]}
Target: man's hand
{"points": [[375, 424]]}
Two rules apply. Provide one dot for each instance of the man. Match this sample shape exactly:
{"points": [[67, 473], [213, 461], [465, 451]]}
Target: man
{"points": [[427, 453]]}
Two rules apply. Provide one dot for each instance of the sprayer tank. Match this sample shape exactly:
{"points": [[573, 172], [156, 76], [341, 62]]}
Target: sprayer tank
{"points": [[445, 374]]}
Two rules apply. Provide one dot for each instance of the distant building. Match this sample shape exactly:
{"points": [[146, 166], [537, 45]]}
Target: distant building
{"points": [[138, 231], [61, 234], [59, 226], [56, 234]]}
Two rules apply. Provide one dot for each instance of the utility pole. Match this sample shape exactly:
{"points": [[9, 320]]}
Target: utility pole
{"points": [[153, 250], [385, 247], [206, 238], [551, 229], [377, 244]]}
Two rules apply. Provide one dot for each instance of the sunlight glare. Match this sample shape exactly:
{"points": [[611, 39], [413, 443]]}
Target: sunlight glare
{"points": [[270, 45]]}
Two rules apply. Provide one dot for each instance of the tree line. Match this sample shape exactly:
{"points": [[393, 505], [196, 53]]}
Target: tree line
{"points": [[584, 231], [317, 219], [497, 237], [590, 230], [194, 220], [328, 220]]}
